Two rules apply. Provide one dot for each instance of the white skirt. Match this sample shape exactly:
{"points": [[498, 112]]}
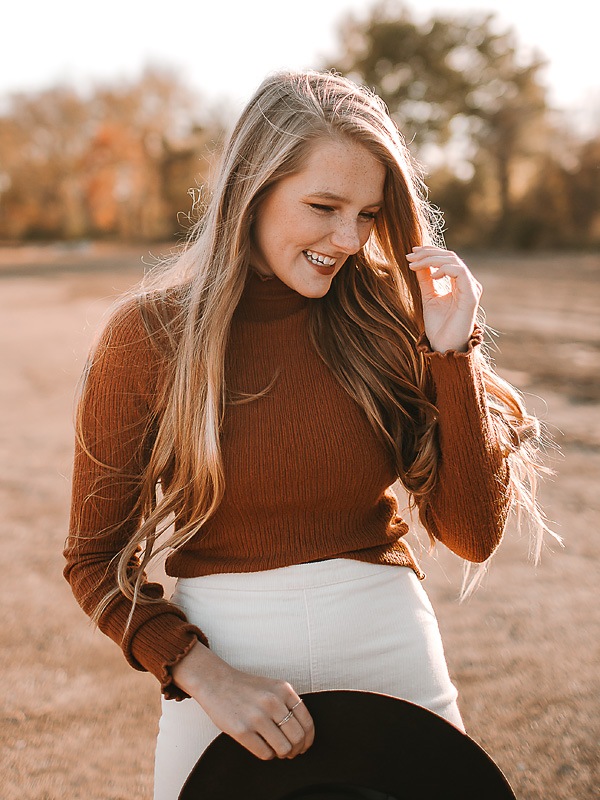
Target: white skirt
{"points": [[336, 624]]}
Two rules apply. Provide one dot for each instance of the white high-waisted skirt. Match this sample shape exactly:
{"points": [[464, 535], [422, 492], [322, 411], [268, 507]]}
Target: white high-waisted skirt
{"points": [[336, 624]]}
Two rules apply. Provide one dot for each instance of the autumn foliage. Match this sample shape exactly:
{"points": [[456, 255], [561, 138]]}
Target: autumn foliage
{"points": [[121, 161]]}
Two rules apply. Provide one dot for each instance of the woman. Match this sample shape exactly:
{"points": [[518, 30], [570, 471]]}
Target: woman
{"points": [[249, 411]]}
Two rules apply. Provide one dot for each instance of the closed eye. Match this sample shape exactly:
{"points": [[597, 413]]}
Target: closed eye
{"points": [[368, 215], [320, 207]]}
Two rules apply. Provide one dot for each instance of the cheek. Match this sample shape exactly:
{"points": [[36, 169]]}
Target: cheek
{"points": [[310, 229], [364, 235], [267, 231]]}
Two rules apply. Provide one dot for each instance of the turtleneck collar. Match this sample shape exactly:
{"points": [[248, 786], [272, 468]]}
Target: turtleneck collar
{"points": [[270, 298]]}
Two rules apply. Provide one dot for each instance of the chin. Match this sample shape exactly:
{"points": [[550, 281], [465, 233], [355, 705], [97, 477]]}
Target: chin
{"points": [[315, 285], [314, 289]]}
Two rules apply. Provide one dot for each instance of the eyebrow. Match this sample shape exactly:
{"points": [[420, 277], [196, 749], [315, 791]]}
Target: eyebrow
{"points": [[339, 199]]}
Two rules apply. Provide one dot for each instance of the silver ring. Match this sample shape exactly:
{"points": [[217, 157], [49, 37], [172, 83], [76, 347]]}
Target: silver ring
{"points": [[287, 718], [297, 704]]}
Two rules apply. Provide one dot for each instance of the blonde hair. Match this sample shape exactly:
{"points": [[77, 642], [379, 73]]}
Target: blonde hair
{"points": [[366, 329]]}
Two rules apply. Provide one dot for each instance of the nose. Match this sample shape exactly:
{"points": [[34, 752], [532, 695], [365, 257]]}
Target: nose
{"points": [[346, 236]]}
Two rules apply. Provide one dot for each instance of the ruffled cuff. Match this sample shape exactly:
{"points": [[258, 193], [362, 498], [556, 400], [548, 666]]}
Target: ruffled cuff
{"points": [[161, 643], [424, 346], [457, 378]]}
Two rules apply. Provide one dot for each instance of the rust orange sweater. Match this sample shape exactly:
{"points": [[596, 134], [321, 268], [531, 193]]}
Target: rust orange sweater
{"points": [[306, 476]]}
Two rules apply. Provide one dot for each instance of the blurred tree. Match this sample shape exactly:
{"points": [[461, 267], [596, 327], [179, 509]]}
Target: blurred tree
{"points": [[561, 207], [73, 166], [586, 193], [125, 159], [45, 135], [462, 93], [193, 155]]}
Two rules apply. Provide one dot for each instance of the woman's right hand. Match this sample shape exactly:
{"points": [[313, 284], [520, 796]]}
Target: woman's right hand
{"points": [[246, 707]]}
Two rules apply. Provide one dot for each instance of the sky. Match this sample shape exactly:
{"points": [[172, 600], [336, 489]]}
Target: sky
{"points": [[223, 48]]}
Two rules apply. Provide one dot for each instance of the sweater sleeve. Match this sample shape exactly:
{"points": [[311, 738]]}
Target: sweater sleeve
{"points": [[468, 507], [115, 414]]}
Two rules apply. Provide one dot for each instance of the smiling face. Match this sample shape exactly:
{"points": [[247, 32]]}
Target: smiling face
{"points": [[311, 221]]}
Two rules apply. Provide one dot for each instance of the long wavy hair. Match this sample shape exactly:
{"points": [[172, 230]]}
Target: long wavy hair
{"points": [[365, 329]]}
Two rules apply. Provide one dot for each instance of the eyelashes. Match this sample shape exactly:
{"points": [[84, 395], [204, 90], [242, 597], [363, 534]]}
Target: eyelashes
{"points": [[323, 209]]}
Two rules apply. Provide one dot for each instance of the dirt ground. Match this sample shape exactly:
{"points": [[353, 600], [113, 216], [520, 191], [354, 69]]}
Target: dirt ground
{"points": [[77, 722]]}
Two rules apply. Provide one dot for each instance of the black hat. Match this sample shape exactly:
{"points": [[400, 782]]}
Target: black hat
{"points": [[368, 746]]}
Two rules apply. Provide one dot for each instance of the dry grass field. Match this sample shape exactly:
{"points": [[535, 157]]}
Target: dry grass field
{"points": [[77, 722]]}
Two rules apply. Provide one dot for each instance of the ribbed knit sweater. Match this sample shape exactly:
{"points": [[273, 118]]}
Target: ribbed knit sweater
{"points": [[306, 476]]}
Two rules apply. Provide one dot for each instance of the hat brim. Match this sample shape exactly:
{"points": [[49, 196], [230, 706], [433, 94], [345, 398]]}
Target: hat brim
{"points": [[363, 739]]}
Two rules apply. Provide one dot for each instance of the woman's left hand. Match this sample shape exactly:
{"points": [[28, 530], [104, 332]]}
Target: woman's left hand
{"points": [[450, 296]]}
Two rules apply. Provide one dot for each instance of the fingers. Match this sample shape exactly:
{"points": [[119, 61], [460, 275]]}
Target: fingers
{"points": [[257, 746], [295, 730], [266, 716], [290, 739], [432, 264], [437, 262], [277, 741], [277, 730], [305, 720]]}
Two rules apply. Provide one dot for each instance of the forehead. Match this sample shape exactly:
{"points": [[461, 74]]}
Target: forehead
{"points": [[343, 168]]}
